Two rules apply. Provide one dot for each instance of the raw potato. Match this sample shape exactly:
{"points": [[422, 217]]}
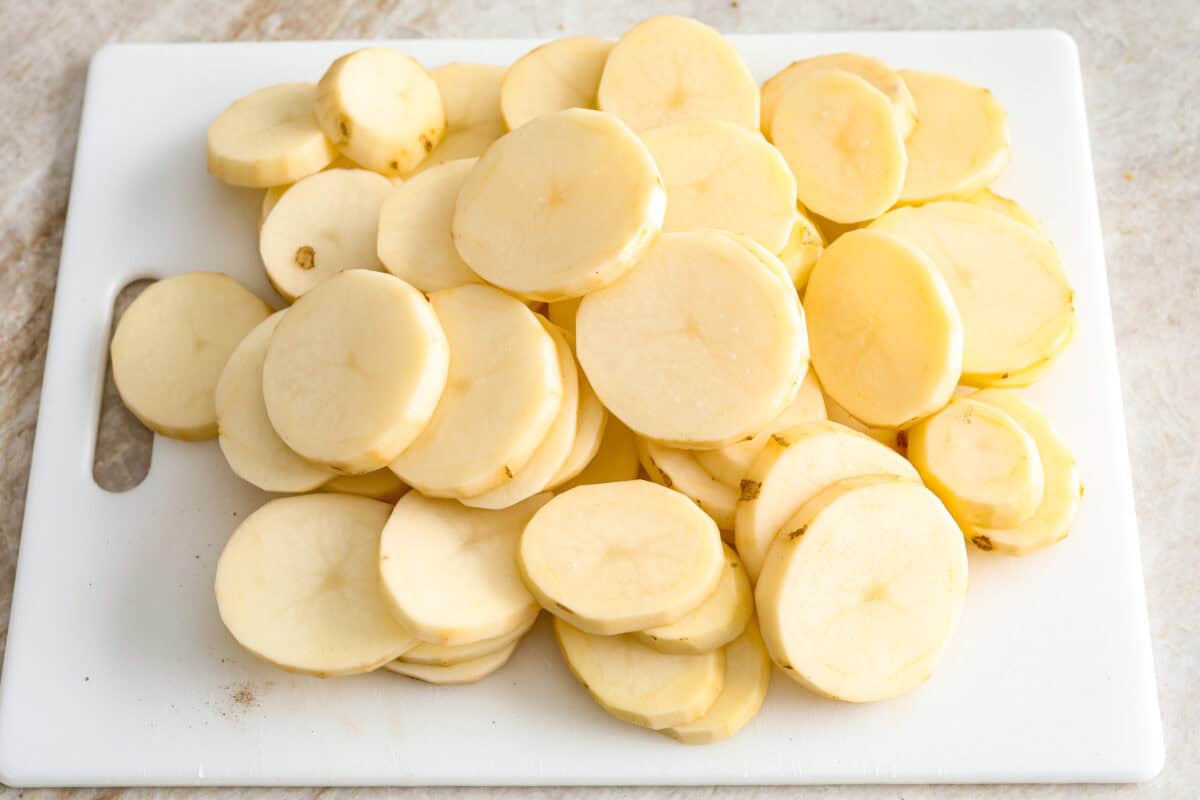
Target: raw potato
{"points": [[1004, 205], [698, 347], [979, 462], [354, 371], [1060, 499], [563, 314], [414, 241], [721, 175], [831, 230], [251, 447], [322, 225], [1010, 286], [673, 69], [271, 196], [463, 672], [718, 621], [471, 97], [616, 460], [449, 572], [795, 465], [801, 251], [171, 344], [445, 655], [564, 205], [297, 585], [886, 337], [269, 138], [381, 484], [747, 678], [591, 422], [503, 394], [839, 135], [380, 108], [960, 143], [459, 144], [862, 589], [678, 469], [558, 75], [619, 557], [638, 684], [892, 437]]}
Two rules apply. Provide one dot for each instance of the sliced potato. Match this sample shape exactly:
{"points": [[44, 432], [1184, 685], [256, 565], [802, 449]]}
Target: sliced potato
{"points": [[444, 655], [892, 437], [679, 470], [616, 460], [591, 422], [747, 678], [271, 196], [381, 484], [563, 314], [716, 622], [561, 74], [986, 198], [831, 230], [462, 672], [461, 143], [802, 249], [470, 93]]}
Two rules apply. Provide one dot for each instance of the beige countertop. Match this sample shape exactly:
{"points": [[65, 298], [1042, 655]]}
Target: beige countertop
{"points": [[1141, 67]]}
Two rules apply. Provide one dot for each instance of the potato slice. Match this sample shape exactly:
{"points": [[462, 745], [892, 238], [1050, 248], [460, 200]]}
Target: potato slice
{"points": [[619, 557], [747, 678], [716, 622], [322, 225], [839, 135], [470, 93], [831, 231], [463, 672], [1062, 488], [892, 437], [561, 206], [271, 196], [563, 314], [297, 585], [979, 462], [887, 339], [253, 450], [354, 371], [461, 143], [381, 484], [801, 251], [381, 108], [862, 589], [558, 75], [678, 469], [673, 69], [988, 199], [504, 393], [1007, 279], [795, 465], [721, 175], [269, 138], [960, 143], [698, 347], [616, 460], [171, 344], [445, 655], [638, 684], [591, 421]]}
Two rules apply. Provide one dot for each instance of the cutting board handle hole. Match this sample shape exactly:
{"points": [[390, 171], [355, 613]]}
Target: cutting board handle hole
{"points": [[121, 457]]}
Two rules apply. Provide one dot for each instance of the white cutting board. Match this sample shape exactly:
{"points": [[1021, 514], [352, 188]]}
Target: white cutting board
{"points": [[119, 672]]}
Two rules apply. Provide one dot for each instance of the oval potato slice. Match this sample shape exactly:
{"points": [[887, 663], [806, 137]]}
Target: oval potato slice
{"points": [[381, 484], [986, 198], [615, 461], [471, 99], [716, 622], [679, 470], [561, 74], [591, 422], [892, 437], [463, 672], [444, 655]]}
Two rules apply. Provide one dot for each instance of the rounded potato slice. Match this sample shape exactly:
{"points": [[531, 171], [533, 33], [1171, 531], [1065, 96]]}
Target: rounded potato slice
{"points": [[862, 589], [561, 206], [558, 75], [271, 196], [794, 466], [381, 108], [503, 394], [1062, 488], [960, 142], [619, 557], [673, 69], [721, 175], [638, 684], [615, 461], [171, 345], [461, 143], [251, 446], [979, 462], [747, 678], [470, 93], [463, 672], [444, 655], [887, 339], [591, 421], [839, 135], [354, 371], [381, 484], [269, 138], [716, 622], [678, 469], [697, 347], [1004, 205], [801, 251], [892, 437], [297, 585]]}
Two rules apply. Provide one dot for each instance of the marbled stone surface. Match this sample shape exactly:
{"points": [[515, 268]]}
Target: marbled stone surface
{"points": [[1141, 67]]}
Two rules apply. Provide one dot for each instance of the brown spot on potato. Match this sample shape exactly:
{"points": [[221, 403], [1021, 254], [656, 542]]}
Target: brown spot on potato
{"points": [[902, 439], [563, 607], [666, 479], [306, 258], [344, 127], [796, 534], [748, 490], [394, 165], [780, 440], [508, 472], [982, 542], [427, 142]]}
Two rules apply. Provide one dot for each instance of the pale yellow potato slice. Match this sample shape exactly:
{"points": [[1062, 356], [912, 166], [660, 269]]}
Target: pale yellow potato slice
{"points": [[381, 108], [979, 462], [1007, 279], [747, 678], [563, 314], [445, 655], [673, 69], [862, 589], [269, 138], [716, 622], [697, 347], [616, 460], [381, 484], [590, 424], [801, 251], [986, 198], [619, 557], [558, 75], [839, 135], [795, 465], [1062, 488], [638, 684], [460, 143], [171, 345], [892, 437], [886, 336], [564, 205], [271, 196], [470, 93], [251, 447], [960, 143], [297, 585], [354, 371], [462, 672], [721, 175], [678, 469]]}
